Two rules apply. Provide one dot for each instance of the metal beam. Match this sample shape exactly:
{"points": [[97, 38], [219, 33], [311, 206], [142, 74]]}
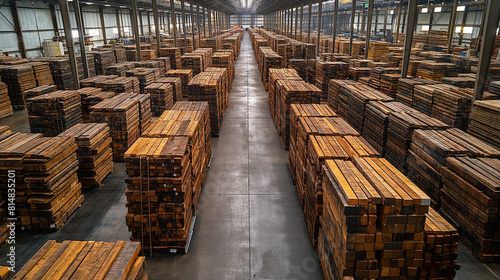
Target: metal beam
{"points": [[301, 20], [81, 37], [369, 27], [54, 19], [135, 28], [351, 37], [198, 22], [334, 27], [385, 24], [296, 21], [487, 47], [399, 22], [412, 20], [309, 12], [464, 20], [118, 23], [184, 31], [210, 23], [63, 4], [157, 26], [103, 24], [362, 30], [141, 31], [451, 28], [17, 27], [320, 15], [168, 25], [204, 22], [191, 10], [174, 25]]}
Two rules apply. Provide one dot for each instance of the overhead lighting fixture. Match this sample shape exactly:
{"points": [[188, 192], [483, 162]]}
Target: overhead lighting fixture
{"points": [[460, 8], [437, 9], [425, 10], [107, 5]]}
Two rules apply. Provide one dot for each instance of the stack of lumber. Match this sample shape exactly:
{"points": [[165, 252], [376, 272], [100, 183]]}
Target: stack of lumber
{"points": [[145, 114], [176, 87], [484, 121], [348, 238], [325, 71], [226, 84], [494, 88], [356, 72], [207, 56], [184, 75], [119, 69], [38, 91], [4, 129], [429, 151], [85, 93], [319, 150], [276, 74], [377, 73], [208, 86], [120, 55], [389, 84], [461, 82], [122, 116], [175, 56], [85, 260], [334, 89], [285, 51], [193, 124], [406, 89], [452, 106], [18, 78], [131, 55], [159, 192], [5, 105], [399, 135], [42, 73], [125, 84], [162, 97], [268, 59], [194, 61], [291, 92], [54, 112], [470, 199], [145, 75], [322, 125], [436, 70], [50, 171], [359, 63], [94, 152], [423, 97], [377, 49], [311, 71], [353, 101], [399, 238], [299, 65], [376, 123], [13, 147], [164, 63], [148, 55], [440, 251], [215, 43], [103, 59], [224, 60]]}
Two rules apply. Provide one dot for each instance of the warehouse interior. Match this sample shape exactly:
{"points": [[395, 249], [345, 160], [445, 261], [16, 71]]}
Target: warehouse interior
{"points": [[250, 139]]}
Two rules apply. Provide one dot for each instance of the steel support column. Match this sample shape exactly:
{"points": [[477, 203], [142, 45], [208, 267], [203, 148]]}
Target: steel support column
{"points": [[296, 21], [118, 23], [81, 37], [309, 15], [135, 29], [191, 10], [487, 47], [320, 15], [174, 25], [385, 24], [141, 29], [204, 22], [362, 30], [412, 20], [63, 4], [451, 26], [351, 36], [334, 27], [103, 24], [54, 18], [368, 28], [210, 23], [157, 26], [301, 20], [396, 40], [198, 24], [184, 31]]}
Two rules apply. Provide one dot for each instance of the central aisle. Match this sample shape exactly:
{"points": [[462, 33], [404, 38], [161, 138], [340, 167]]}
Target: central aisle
{"points": [[249, 222]]}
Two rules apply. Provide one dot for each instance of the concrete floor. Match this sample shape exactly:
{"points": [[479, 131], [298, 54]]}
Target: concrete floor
{"points": [[249, 223]]}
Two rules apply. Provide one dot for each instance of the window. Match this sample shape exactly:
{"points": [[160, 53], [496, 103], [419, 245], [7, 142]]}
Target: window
{"points": [[74, 33], [126, 30], [460, 8], [391, 12], [458, 29], [94, 32], [115, 30], [424, 10], [468, 29], [425, 27], [437, 9]]}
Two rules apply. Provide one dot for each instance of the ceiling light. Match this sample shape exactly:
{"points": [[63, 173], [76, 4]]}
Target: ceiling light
{"points": [[107, 5]]}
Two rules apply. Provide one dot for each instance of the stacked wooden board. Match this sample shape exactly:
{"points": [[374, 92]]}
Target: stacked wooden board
{"points": [[18, 78], [13, 147], [377, 49], [406, 89], [276, 74], [484, 121], [103, 59], [399, 135], [145, 75], [38, 91], [148, 55], [431, 148], [42, 73], [208, 86], [94, 152], [54, 112], [376, 122], [194, 61], [299, 65], [334, 92], [268, 59], [389, 84], [175, 56], [164, 63], [86, 260], [376, 75], [325, 71], [50, 171], [311, 71], [224, 60], [291, 92], [176, 84], [5, 105], [4, 129], [470, 199], [185, 76], [162, 97], [159, 192], [91, 96], [122, 116], [357, 72]]}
